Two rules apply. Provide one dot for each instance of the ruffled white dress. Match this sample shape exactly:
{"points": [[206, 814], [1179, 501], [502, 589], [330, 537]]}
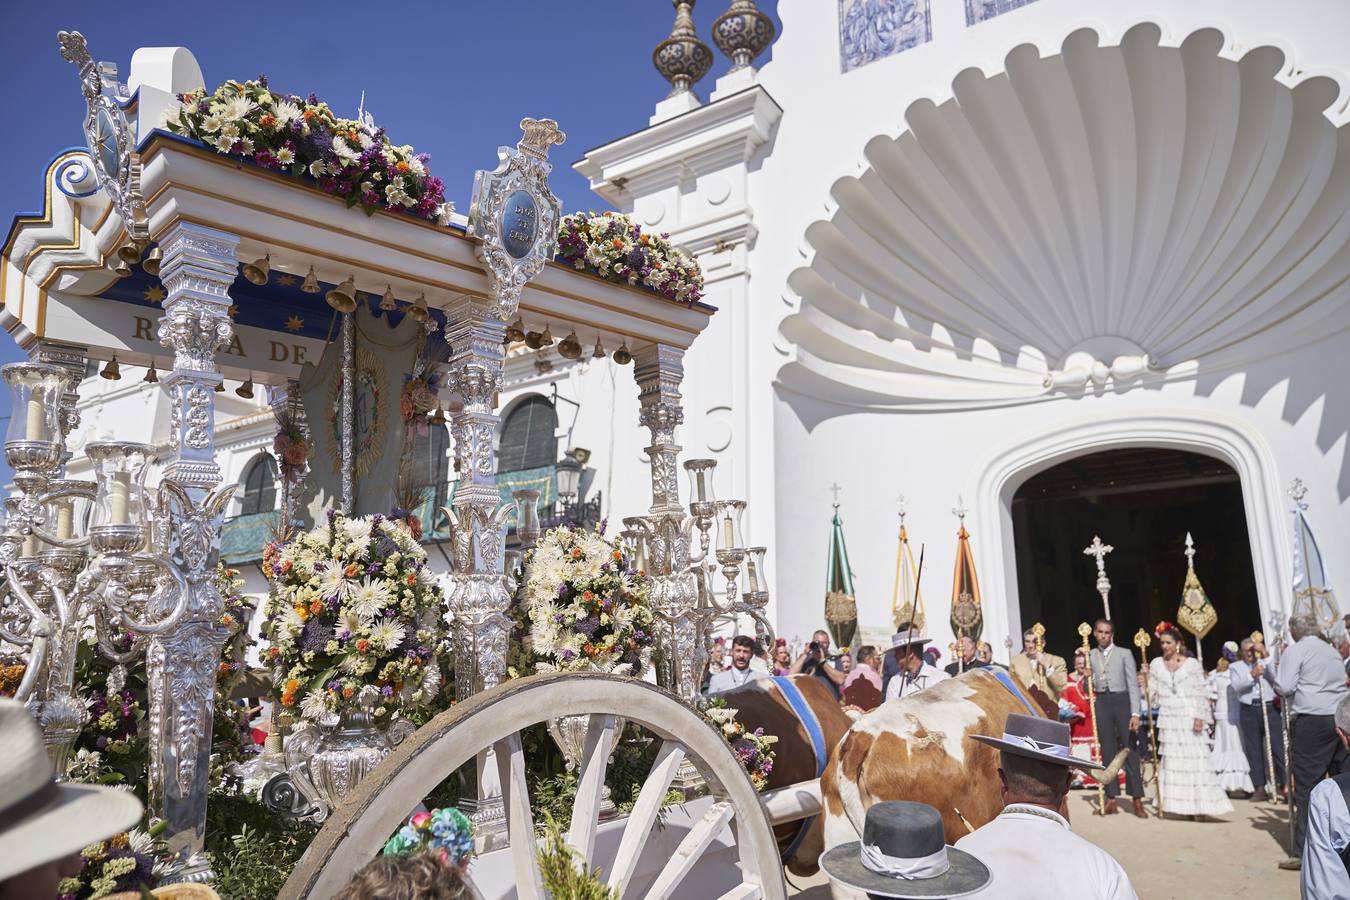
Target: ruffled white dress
{"points": [[1190, 786], [1227, 759]]}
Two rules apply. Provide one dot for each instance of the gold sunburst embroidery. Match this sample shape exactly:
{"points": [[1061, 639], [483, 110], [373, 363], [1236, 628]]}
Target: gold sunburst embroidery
{"points": [[154, 293], [295, 323], [287, 280]]}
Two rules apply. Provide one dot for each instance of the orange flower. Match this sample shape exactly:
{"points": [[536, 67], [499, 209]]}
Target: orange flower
{"points": [[223, 668], [302, 612], [267, 120], [311, 113], [351, 570], [315, 607], [411, 579], [118, 841], [227, 620], [644, 238], [576, 553], [347, 693], [588, 649], [362, 645], [402, 166], [587, 596], [273, 652], [617, 555], [616, 243], [292, 685]]}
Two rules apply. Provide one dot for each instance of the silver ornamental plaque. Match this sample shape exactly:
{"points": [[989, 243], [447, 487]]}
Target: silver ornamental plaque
{"points": [[514, 215]]}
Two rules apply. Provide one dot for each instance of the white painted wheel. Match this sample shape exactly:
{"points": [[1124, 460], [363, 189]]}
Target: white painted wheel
{"points": [[494, 720]]}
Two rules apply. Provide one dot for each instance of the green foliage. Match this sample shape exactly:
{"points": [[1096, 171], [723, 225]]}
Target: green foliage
{"points": [[252, 850], [562, 869]]}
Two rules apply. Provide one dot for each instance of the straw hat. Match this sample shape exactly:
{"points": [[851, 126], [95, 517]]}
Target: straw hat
{"points": [[171, 892], [40, 820]]}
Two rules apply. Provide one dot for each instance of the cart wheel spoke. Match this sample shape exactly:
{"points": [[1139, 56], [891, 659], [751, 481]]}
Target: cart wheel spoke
{"points": [[686, 855], [519, 819], [591, 785], [643, 817]]}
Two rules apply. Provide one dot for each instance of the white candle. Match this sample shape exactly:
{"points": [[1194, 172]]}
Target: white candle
{"points": [[29, 547], [120, 494], [751, 575], [727, 539], [37, 416], [63, 520]]}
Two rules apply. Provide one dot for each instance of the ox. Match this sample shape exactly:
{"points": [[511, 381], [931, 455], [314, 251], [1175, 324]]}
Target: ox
{"points": [[762, 704], [920, 748]]}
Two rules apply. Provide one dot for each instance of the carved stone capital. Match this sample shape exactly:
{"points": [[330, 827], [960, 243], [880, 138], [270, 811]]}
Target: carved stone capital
{"points": [[659, 369]]}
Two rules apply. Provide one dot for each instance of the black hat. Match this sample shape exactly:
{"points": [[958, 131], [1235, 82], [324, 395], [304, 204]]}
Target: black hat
{"points": [[1037, 738], [903, 853]]}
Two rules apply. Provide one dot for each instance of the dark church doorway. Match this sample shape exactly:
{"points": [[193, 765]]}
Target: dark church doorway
{"points": [[1142, 501]]}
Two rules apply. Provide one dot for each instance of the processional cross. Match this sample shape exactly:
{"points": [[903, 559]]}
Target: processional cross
{"points": [[835, 489], [1099, 550]]}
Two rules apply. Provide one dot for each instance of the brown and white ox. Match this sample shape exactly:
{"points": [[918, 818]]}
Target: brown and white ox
{"points": [[760, 704], [920, 748]]}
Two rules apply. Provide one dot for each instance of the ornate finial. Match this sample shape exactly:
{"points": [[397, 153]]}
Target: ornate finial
{"points": [[682, 58], [75, 49], [959, 510], [1297, 491], [1141, 639], [1084, 629], [903, 506], [540, 134], [835, 489], [1190, 552], [742, 33]]}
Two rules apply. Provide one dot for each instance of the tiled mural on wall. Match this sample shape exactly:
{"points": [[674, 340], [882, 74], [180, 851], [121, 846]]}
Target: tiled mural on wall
{"points": [[983, 10], [872, 29]]}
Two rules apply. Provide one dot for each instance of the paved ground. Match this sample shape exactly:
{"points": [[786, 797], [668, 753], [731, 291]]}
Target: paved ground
{"points": [[1180, 859]]}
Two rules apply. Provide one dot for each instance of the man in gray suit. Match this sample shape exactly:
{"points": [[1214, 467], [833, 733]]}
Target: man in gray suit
{"points": [[1114, 677]]}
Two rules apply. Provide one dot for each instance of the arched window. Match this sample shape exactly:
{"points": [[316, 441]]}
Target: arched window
{"points": [[528, 440], [260, 485]]}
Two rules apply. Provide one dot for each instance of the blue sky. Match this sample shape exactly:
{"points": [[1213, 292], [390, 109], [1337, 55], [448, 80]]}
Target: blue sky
{"points": [[452, 78]]}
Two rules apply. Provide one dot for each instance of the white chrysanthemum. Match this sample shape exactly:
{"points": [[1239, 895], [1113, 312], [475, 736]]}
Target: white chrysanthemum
{"points": [[387, 634], [286, 112], [223, 144], [316, 168], [229, 132], [369, 597], [365, 140], [140, 842], [343, 151], [291, 624], [314, 705], [357, 530], [332, 583], [171, 114], [285, 156], [353, 622], [237, 107]]}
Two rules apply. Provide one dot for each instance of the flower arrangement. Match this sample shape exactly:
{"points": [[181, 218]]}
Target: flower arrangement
{"points": [[445, 833], [291, 447], [124, 862], [238, 610], [585, 605], [1162, 628], [355, 618], [752, 748], [617, 249], [302, 136]]}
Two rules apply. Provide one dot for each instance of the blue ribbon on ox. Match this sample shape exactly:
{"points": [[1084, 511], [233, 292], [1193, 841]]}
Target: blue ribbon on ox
{"points": [[1006, 680], [812, 725]]}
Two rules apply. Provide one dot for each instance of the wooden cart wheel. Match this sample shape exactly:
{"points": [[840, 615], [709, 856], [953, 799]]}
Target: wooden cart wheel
{"points": [[494, 719]]}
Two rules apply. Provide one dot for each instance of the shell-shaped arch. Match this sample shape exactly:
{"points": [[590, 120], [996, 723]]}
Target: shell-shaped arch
{"points": [[1104, 213]]}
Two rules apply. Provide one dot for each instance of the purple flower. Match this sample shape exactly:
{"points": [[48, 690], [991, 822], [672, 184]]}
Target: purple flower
{"points": [[315, 635], [312, 99], [262, 79], [387, 691]]}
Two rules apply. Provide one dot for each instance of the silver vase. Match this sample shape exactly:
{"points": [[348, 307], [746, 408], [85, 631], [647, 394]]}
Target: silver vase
{"points": [[328, 763], [569, 733]]}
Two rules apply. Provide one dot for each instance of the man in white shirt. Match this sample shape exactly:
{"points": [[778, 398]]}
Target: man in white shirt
{"points": [[739, 672], [1326, 844], [1311, 678], [1251, 678], [914, 674], [1029, 848]]}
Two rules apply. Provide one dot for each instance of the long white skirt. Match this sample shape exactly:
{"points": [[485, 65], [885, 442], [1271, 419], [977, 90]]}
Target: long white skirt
{"points": [[1190, 786], [1228, 760]]}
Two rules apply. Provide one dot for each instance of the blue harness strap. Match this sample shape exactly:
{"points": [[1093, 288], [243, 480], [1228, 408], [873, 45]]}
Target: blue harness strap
{"points": [[812, 725], [1006, 680]]}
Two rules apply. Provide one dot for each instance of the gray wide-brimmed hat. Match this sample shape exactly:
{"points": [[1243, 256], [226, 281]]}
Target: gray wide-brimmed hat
{"points": [[1036, 738], [40, 820], [904, 854], [907, 638]]}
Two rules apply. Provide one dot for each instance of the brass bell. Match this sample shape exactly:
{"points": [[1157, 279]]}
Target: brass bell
{"points": [[151, 376], [258, 270], [599, 351], [622, 356], [570, 347], [121, 270], [311, 284], [220, 386], [129, 254], [515, 331], [245, 390], [112, 371], [387, 302], [419, 309], [343, 297], [546, 339], [438, 417], [534, 340], [150, 262]]}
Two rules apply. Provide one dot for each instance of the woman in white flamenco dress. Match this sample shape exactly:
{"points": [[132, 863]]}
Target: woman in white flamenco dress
{"points": [[1228, 760], [1177, 686]]}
